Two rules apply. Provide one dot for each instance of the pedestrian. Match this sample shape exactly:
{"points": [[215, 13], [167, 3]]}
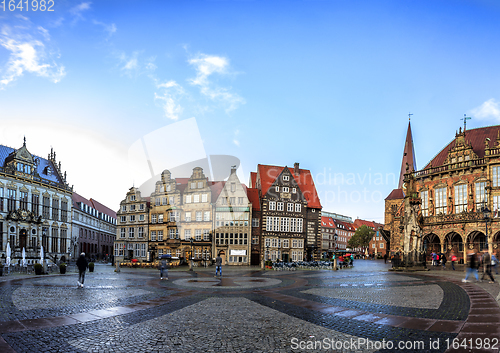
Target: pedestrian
{"points": [[486, 261], [443, 260], [471, 267], [82, 265], [385, 258], [453, 259], [434, 258], [494, 263], [163, 269], [218, 265]]}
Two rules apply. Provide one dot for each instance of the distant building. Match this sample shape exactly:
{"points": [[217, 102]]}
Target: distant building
{"points": [[377, 245], [328, 236], [35, 206], [93, 228]]}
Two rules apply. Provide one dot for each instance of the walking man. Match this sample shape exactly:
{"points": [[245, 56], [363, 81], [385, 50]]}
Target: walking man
{"points": [[471, 267], [453, 259], [486, 260], [163, 269], [82, 265], [218, 265]]}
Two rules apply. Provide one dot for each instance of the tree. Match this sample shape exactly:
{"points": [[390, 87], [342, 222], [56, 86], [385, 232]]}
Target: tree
{"points": [[361, 237]]}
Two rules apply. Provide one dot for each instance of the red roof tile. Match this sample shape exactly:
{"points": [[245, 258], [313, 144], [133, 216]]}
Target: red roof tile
{"points": [[216, 188], [269, 173], [253, 179], [253, 197], [103, 209], [476, 137], [396, 194], [327, 222]]}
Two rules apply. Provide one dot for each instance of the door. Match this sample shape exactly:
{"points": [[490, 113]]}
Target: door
{"points": [[22, 238]]}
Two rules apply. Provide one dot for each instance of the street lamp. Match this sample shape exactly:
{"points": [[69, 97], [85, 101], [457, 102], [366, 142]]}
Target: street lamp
{"points": [[191, 240], [486, 215]]}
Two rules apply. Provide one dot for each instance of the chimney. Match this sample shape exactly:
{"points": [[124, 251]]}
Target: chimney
{"points": [[233, 169], [296, 169]]}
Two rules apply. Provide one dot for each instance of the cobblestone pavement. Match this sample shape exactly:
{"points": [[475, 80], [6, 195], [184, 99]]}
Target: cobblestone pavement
{"points": [[361, 309]]}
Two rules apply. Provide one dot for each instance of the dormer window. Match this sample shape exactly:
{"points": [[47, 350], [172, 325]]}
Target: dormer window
{"points": [[48, 170], [286, 178]]}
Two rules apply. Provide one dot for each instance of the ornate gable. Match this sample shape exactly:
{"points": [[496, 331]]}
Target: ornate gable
{"points": [[462, 151]]}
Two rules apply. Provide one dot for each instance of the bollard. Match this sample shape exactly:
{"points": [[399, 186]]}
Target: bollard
{"points": [[117, 266]]}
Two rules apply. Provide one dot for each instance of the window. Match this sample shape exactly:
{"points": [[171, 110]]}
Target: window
{"points": [[232, 200], [124, 208], [141, 232], [240, 201], [196, 198], [495, 175], [193, 185], [132, 218], [157, 201], [206, 234], [496, 206], [188, 198], [295, 243], [35, 203], [131, 232], [187, 216], [255, 240], [206, 216], [280, 206], [255, 222], [197, 234], [272, 205], [123, 219], [204, 197], [122, 232], [55, 210], [381, 245], [481, 196], [460, 198], [286, 177], [286, 189], [286, 243], [141, 217], [277, 188], [294, 190], [298, 207], [160, 235], [132, 207], [440, 201], [200, 184], [424, 196], [233, 187], [299, 225], [187, 234], [160, 218], [132, 197], [285, 224], [164, 201], [171, 200], [153, 218], [198, 216], [23, 200], [289, 207], [141, 206]]}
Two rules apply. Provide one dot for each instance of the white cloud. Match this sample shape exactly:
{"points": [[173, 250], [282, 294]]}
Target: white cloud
{"points": [[489, 110], [207, 65], [236, 142], [171, 93], [78, 9], [27, 54], [110, 29]]}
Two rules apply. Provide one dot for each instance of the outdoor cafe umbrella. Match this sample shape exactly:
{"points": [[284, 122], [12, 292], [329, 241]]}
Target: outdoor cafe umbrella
{"points": [[166, 256], [7, 263], [24, 258]]}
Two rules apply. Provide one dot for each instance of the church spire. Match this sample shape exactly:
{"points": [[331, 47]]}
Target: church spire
{"points": [[408, 164]]}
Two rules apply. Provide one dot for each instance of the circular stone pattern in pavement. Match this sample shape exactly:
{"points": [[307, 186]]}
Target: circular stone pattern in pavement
{"points": [[228, 282]]}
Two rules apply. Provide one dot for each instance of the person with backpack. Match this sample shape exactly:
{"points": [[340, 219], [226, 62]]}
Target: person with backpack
{"points": [[453, 259], [471, 267], [443, 260]]}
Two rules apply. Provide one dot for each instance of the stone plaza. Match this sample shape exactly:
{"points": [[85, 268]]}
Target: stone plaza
{"points": [[366, 308]]}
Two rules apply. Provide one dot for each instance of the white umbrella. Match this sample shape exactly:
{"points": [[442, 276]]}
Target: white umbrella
{"points": [[8, 255], [24, 257], [41, 254]]}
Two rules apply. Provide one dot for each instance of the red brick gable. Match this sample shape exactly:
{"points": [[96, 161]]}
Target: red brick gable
{"points": [[476, 137], [268, 174], [253, 197]]}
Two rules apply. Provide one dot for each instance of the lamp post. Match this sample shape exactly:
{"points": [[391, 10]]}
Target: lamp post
{"points": [[486, 215], [191, 240]]}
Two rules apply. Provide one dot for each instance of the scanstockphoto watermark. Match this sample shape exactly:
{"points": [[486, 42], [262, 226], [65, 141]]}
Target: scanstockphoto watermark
{"points": [[327, 177], [358, 343]]}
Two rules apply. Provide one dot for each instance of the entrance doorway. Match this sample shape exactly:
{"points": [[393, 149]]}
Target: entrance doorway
{"points": [[222, 254], [22, 238]]}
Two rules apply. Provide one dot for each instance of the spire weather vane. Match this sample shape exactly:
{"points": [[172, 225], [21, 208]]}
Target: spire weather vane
{"points": [[465, 118], [409, 116]]}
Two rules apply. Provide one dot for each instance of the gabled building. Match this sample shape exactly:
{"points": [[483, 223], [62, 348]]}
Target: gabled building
{"points": [[132, 228], [232, 228], [378, 244], [328, 236], [35, 206], [291, 213]]}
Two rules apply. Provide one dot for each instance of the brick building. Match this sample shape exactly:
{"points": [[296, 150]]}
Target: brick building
{"points": [[442, 207]]}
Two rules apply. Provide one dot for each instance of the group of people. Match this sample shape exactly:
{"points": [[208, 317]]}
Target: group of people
{"points": [[488, 262]]}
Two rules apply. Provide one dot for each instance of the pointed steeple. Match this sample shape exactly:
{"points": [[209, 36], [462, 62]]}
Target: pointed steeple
{"points": [[408, 157]]}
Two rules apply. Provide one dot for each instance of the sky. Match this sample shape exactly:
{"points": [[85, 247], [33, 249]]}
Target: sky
{"points": [[111, 85]]}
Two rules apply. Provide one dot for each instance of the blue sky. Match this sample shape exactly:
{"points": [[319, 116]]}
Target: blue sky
{"points": [[328, 84]]}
